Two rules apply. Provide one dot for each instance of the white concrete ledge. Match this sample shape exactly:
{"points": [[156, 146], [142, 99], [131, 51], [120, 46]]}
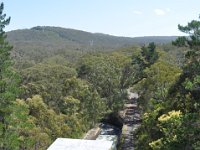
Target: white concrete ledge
{"points": [[79, 144]]}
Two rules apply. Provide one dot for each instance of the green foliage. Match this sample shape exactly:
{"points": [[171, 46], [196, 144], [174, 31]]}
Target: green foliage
{"points": [[184, 95], [9, 89], [170, 125], [46, 80], [159, 78], [188, 85], [85, 99], [34, 45], [6, 95], [192, 42], [179, 131], [148, 129], [149, 54], [61, 90], [51, 123], [19, 130], [108, 74], [74, 106], [173, 55], [142, 60], [60, 101], [147, 57], [178, 119]]}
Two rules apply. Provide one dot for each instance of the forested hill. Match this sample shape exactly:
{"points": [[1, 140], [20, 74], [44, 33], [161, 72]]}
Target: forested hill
{"points": [[38, 43], [70, 38], [77, 37]]}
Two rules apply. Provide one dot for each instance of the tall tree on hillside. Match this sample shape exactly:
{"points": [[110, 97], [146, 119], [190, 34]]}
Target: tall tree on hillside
{"points": [[147, 57], [8, 84], [189, 83], [179, 125]]}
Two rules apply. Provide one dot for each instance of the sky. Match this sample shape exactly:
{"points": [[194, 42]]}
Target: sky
{"points": [[131, 18]]}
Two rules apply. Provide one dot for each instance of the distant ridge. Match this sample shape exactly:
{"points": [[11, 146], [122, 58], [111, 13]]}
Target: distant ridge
{"points": [[47, 34], [45, 41]]}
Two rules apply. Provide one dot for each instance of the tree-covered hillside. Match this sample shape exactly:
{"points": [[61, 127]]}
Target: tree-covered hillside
{"points": [[57, 82], [77, 37], [33, 45]]}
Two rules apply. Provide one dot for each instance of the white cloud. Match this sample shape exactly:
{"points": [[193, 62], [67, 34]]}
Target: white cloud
{"points": [[159, 12], [137, 12]]}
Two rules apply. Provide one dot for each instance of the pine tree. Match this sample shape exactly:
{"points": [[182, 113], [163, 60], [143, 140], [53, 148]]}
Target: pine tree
{"points": [[8, 84], [179, 125]]}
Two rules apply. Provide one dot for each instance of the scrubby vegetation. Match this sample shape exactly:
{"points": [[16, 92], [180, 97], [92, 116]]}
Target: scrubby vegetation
{"points": [[61, 82], [171, 96]]}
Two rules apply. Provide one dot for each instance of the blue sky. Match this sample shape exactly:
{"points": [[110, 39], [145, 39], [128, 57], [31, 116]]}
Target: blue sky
{"points": [[116, 17]]}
